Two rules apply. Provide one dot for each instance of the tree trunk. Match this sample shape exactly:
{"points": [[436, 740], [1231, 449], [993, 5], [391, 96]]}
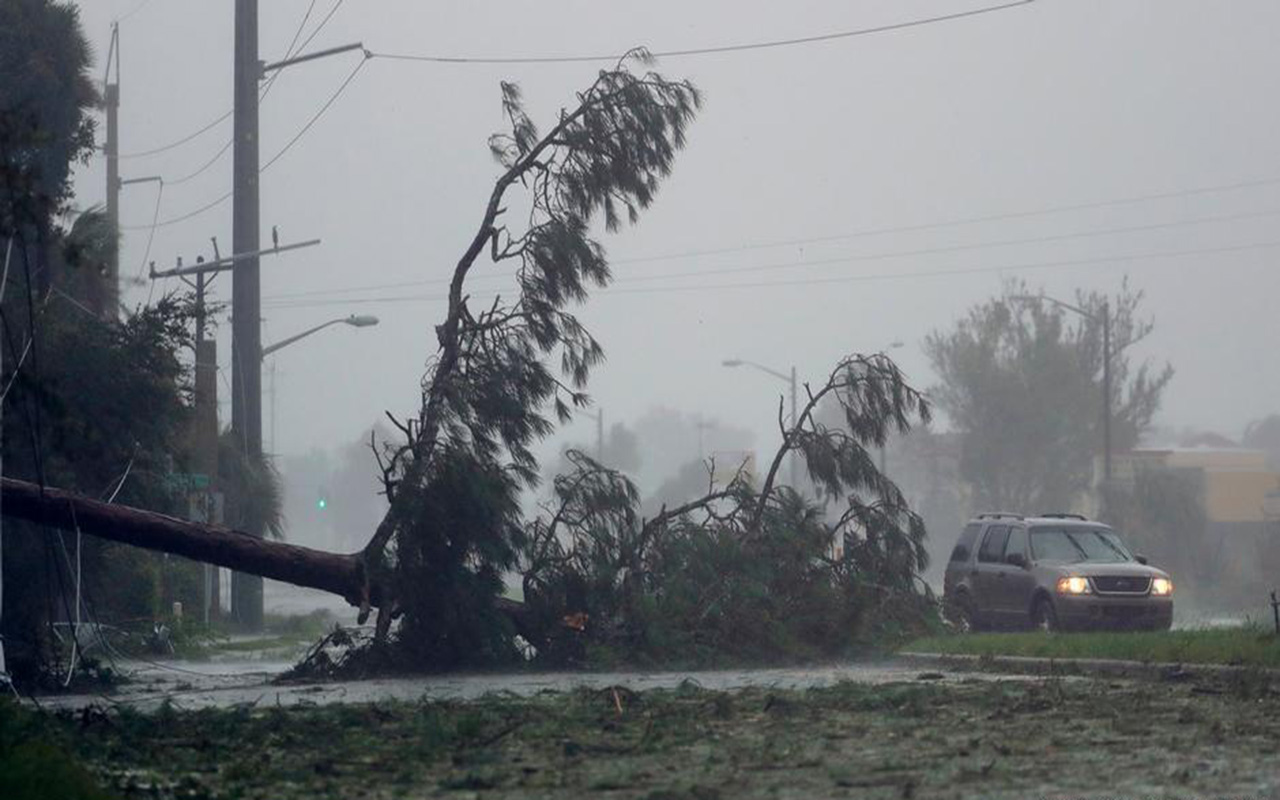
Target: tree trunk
{"points": [[213, 544]]}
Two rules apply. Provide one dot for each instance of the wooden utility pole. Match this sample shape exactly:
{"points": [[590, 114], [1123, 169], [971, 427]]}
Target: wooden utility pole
{"points": [[206, 432], [205, 429], [1106, 395], [246, 312], [107, 303]]}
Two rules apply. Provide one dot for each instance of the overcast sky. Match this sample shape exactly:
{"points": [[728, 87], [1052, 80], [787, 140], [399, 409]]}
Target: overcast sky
{"points": [[1057, 103]]}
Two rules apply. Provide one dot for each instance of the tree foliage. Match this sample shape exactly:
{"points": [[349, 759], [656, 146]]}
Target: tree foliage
{"points": [[100, 408], [1264, 435], [743, 571], [253, 494], [46, 96], [1163, 516], [454, 478], [1021, 380]]}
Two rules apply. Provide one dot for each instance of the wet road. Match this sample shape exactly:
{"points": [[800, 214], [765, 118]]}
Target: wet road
{"points": [[191, 685]]}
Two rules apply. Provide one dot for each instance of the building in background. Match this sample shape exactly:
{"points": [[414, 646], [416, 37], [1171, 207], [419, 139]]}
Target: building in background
{"points": [[1238, 553]]}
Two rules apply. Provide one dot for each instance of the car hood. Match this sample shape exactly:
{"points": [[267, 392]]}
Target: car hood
{"points": [[1089, 569]]}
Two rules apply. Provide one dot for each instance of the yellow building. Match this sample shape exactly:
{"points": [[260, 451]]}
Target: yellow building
{"points": [[1234, 482]]}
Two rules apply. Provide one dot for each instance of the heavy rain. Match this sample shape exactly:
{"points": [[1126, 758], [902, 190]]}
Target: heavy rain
{"points": [[653, 400]]}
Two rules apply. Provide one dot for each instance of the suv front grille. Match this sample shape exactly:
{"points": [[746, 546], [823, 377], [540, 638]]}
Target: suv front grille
{"points": [[1120, 584]]}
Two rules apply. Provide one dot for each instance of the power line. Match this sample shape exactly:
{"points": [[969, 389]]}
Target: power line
{"points": [[182, 218], [143, 4], [573, 59], [323, 22], [884, 276], [827, 261], [279, 154], [1003, 216], [316, 118], [205, 167], [955, 248], [155, 216], [698, 51], [288, 52], [179, 142]]}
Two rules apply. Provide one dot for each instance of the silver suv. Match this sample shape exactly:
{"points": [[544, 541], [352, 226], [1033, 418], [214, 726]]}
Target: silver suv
{"points": [[1054, 572]]}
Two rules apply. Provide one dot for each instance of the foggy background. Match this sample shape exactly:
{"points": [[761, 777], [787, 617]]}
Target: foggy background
{"points": [[1045, 105]]}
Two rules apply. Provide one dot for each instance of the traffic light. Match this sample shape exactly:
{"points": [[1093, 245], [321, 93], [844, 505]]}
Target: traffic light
{"points": [[322, 502]]}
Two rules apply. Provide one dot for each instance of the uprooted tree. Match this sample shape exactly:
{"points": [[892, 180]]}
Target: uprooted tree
{"points": [[454, 476]]}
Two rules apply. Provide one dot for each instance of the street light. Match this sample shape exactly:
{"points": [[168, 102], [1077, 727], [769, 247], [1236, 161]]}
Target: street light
{"points": [[1105, 319], [894, 345], [354, 320], [791, 379]]}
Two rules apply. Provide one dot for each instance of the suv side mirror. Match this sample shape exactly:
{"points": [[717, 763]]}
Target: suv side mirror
{"points": [[1141, 559], [1016, 559]]}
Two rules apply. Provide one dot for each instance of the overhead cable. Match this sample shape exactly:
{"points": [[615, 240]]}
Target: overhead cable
{"points": [[821, 262], [958, 221], [883, 276], [699, 51], [179, 142], [279, 154]]}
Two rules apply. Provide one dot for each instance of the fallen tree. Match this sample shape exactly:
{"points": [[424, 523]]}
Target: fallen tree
{"points": [[453, 482], [455, 525]]}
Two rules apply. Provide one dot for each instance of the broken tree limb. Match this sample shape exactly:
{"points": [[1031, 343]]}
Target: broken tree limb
{"points": [[340, 574]]}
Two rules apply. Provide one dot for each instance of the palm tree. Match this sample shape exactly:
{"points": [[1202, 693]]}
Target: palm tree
{"points": [[253, 494]]}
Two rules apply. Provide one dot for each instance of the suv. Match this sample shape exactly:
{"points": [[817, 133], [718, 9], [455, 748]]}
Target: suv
{"points": [[1053, 572]]}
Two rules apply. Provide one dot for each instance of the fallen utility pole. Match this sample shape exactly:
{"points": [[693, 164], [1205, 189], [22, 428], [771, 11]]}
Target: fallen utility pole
{"points": [[342, 574]]}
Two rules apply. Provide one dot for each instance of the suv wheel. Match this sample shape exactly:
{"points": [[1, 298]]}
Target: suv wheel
{"points": [[1043, 617]]}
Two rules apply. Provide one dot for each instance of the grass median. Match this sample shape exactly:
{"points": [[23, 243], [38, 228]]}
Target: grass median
{"points": [[969, 738], [1252, 646]]}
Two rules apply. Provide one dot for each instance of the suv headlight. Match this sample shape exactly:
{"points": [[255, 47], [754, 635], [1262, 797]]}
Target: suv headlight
{"points": [[1162, 587], [1074, 585]]}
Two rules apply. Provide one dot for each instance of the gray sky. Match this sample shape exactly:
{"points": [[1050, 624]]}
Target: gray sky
{"points": [[1060, 102]]}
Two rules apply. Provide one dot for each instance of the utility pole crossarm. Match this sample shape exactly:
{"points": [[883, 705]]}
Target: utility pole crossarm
{"points": [[148, 179], [332, 51], [224, 264]]}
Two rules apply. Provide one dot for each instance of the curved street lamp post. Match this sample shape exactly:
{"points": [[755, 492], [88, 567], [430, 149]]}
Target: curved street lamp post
{"points": [[791, 379], [1105, 318], [354, 320]]}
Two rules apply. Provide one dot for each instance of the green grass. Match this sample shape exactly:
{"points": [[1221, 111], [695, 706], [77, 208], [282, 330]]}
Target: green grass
{"points": [[1249, 646], [997, 740]]}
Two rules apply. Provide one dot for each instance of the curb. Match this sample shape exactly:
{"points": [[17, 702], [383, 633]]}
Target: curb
{"points": [[1163, 670]]}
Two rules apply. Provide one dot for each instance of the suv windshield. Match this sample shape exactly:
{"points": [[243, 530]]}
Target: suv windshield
{"points": [[1077, 544]]}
